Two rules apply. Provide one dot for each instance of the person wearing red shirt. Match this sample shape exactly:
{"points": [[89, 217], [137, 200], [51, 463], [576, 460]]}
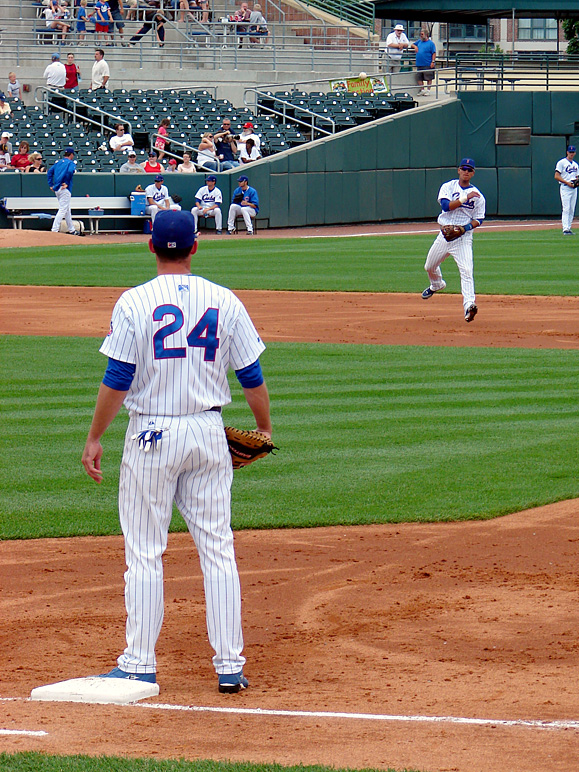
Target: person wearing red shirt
{"points": [[20, 160], [72, 72], [153, 166]]}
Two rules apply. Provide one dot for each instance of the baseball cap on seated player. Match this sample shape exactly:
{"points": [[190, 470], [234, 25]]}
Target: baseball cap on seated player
{"points": [[159, 178], [211, 178], [467, 162], [571, 149], [174, 230], [243, 178]]}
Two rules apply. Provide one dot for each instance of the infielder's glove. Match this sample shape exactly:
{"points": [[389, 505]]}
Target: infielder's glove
{"points": [[575, 182], [452, 232], [246, 447]]}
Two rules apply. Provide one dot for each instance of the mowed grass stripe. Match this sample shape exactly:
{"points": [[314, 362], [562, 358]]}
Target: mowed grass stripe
{"points": [[367, 434], [521, 263]]}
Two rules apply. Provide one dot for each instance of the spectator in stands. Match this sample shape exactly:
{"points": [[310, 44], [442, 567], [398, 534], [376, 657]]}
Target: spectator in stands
{"points": [[153, 166], [36, 164], [206, 155], [208, 200], [131, 166], [5, 108], [131, 14], [186, 167], [4, 155], [100, 71], [103, 20], [56, 24], [190, 6], [116, 8], [81, 17], [21, 159], [257, 24], [158, 198], [121, 142], [226, 146], [244, 202], [72, 72], [14, 90], [153, 18], [5, 142], [243, 14], [55, 72], [396, 43], [249, 152], [425, 61], [172, 165], [161, 141], [248, 133]]}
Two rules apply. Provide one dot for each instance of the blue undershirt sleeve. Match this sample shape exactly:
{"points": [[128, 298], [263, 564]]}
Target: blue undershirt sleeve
{"points": [[119, 375], [251, 376], [445, 204]]}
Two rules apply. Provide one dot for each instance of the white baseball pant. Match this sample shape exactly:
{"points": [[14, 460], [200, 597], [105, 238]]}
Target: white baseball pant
{"points": [[247, 212], [213, 213], [461, 251], [63, 196], [192, 467], [568, 200], [154, 210]]}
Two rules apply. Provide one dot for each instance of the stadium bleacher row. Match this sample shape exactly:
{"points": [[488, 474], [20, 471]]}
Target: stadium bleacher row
{"points": [[191, 112]]}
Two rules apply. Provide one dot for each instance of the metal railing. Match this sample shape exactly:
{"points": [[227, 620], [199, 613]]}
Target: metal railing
{"points": [[75, 107], [540, 72], [288, 111], [360, 13]]}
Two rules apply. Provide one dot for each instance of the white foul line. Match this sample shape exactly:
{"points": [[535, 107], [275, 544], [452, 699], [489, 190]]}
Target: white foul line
{"points": [[28, 732], [365, 716]]}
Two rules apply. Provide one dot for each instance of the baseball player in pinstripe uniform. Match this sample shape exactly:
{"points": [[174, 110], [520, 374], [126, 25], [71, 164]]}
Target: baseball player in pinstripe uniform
{"points": [[462, 204], [170, 345], [566, 174]]}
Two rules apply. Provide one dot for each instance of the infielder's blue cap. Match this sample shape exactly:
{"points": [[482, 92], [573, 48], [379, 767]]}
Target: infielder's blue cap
{"points": [[174, 230], [571, 149], [467, 162], [243, 178], [211, 178]]}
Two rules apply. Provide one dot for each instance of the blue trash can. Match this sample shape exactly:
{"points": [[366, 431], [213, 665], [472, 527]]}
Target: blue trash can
{"points": [[138, 202]]}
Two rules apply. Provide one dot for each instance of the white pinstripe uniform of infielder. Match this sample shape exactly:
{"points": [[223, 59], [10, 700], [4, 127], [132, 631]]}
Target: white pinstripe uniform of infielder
{"points": [[566, 171], [159, 195], [471, 211], [182, 333], [209, 198]]}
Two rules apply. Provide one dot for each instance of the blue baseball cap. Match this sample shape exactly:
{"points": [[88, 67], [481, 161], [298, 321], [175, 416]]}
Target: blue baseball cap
{"points": [[69, 150], [211, 178], [571, 149], [243, 178], [159, 178], [174, 230], [56, 55], [467, 162]]}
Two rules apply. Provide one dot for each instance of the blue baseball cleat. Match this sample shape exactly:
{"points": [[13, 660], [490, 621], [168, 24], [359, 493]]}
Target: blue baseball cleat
{"points": [[232, 683], [150, 678], [429, 292]]}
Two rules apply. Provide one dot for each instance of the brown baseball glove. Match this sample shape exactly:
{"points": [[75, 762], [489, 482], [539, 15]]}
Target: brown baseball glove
{"points": [[452, 232], [575, 182], [246, 447]]}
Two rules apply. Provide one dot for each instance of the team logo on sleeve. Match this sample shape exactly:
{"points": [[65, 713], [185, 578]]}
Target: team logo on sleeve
{"points": [[110, 332], [183, 288]]}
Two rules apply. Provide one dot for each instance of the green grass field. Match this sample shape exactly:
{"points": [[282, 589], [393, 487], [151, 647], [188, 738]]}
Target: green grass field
{"points": [[528, 263]]}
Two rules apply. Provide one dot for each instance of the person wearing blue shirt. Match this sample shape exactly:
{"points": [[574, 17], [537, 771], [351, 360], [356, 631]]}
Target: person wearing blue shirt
{"points": [[425, 62], [245, 202], [59, 180]]}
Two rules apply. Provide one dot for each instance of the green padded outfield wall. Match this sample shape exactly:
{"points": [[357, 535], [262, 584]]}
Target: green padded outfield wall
{"points": [[390, 169]]}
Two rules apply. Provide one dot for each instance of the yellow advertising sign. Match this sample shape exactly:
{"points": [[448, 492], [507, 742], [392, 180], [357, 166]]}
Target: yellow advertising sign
{"points": [[365, 85]]}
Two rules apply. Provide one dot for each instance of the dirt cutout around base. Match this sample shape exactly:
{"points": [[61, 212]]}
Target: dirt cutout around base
{"points": [[454, 621]]}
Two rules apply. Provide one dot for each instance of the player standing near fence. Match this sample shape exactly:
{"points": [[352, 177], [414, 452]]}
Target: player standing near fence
{"points": [[567, 175], [59, 180], [463, 210], [171, 343]]}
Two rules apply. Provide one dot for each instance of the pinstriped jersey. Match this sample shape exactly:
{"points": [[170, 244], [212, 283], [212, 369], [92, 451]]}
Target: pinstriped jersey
{"points": [[472, 210], [182, 333]]}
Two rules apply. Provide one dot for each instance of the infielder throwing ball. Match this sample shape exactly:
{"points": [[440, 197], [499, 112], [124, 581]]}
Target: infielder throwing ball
{"points": [[171, 343], [463, 210], [567, 175]]}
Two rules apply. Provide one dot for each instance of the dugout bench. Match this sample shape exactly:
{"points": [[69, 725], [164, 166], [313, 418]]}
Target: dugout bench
{"points": [[95, 209]]}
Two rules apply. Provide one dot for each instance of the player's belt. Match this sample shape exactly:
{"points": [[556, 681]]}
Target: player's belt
{"points": [[215, 409]]}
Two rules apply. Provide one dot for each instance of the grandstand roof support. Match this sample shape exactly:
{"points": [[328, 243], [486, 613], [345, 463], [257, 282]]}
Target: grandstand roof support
{"points": [[478, 11]]}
